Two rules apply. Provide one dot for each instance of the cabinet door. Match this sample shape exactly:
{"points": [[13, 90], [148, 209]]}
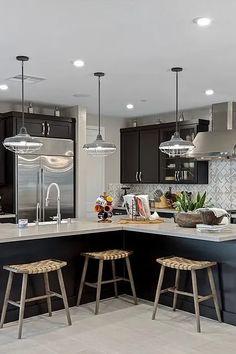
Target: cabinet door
{"points": [[59, 129], [34, 126], [129, 157], [149, 156], [2, 153]]}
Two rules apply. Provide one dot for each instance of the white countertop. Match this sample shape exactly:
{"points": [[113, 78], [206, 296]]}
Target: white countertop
{"points": [[6, 216], [11, 233]]}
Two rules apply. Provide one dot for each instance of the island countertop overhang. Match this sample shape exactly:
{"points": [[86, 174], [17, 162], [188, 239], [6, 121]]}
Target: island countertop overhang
{"points": [[11, 233]]}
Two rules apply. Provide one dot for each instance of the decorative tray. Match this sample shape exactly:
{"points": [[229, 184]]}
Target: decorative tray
{"points": [[130, 221]]}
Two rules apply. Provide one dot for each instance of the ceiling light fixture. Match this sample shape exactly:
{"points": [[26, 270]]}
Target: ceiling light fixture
{"points": [[209, 92], [3, 87], [129, 106], [78, 63], [202, 21], [176, 146], [99, 147], [22, 143]]}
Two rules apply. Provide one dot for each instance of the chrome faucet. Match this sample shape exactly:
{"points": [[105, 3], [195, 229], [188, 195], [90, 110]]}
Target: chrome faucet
{"points": [[37, 213], [58, 217]]}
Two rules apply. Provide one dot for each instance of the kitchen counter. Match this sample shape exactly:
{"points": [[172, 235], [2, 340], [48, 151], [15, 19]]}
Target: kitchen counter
{"points": [[7, 216], [11, 233], [147, 241]]}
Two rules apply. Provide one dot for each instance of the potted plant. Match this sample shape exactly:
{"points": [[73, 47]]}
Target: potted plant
{"points": [[186, 205]]}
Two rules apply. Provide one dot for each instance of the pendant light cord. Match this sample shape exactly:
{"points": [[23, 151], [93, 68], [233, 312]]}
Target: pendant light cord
{"points": [[99, 105], [176, 100], [22, 94]]}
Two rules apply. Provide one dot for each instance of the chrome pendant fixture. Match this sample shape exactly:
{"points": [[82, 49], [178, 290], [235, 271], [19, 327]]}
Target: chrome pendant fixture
{"points": [[99, 147], [176, 146], [22, 143]]}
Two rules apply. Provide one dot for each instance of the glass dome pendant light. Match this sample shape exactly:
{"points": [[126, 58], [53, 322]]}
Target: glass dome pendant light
{"points": [[176, 146], [99, 147], [22, 143]]}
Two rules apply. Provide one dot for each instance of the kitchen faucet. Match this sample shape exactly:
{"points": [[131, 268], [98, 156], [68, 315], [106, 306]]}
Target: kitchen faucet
{"points": [[58, 217]]}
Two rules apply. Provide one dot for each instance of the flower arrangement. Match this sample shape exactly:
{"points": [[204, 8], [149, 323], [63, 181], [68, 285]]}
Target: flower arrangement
{"points": [[104, 207]]}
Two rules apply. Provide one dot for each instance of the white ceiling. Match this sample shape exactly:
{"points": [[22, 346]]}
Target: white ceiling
{"points": [[134, 42]]}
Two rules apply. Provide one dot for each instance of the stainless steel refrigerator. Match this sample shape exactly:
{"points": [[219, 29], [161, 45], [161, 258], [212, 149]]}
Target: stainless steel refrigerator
{"points": [[54, 162]]}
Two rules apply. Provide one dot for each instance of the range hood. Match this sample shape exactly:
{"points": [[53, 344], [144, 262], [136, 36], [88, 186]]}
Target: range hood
{"points": [[220, 143]]}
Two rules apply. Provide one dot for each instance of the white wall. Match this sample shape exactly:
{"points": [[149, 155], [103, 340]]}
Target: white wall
{"points": [[112, 127]]}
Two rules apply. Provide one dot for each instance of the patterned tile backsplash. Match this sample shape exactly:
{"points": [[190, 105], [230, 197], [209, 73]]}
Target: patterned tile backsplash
{"points": [[221, 188]]}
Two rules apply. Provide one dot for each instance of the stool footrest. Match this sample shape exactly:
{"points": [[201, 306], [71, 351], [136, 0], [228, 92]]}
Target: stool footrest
{"points": [[94, 285], [36, 298], [174, 290]]}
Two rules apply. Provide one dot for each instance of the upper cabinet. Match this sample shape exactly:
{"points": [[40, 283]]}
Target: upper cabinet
{"points": [[142, 161], [139, 155], [183, 170], [41, 125]]}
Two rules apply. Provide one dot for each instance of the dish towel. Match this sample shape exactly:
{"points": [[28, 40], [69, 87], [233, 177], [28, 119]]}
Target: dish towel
{"points": [[218, 212]]}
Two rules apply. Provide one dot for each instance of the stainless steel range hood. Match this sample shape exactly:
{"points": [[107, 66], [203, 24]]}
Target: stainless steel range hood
{"points": [[220, 143]]}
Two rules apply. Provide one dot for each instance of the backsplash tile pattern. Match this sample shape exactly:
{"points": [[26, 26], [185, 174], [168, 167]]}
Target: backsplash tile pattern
{"points": [[221, 188]]}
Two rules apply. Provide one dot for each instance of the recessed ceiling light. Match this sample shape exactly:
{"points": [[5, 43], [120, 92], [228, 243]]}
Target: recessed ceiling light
{"points": [[202, 21], [78, 63], [129, 106], [209, 92], [3, 87]]}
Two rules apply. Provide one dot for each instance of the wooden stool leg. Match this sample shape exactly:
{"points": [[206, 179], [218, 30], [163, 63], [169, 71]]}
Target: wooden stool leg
{"points": [[47, 289], [196, 300], [158, 291], [114, 277], [214, 294], [131, 279], [82, 281], [6, 298], [177, 276], [64, 297], [22, 303], [99, 283]]}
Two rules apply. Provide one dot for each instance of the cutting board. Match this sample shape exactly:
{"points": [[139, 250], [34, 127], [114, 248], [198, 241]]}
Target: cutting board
{"points": [[130, 221]]}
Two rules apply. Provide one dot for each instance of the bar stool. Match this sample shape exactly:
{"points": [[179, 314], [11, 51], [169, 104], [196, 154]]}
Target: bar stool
{"points": [[179, 264], [108, 255], [40, 267]]}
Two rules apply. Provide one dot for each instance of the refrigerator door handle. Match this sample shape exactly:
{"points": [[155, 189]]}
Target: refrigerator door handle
{"points": [[48, 129], [39, 184], [43, 194]]}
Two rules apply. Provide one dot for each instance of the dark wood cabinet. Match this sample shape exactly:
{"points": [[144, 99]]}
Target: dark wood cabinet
{"points": [[2, 153], [183, 170], [143, 162], [42, 125], [139, 155]]}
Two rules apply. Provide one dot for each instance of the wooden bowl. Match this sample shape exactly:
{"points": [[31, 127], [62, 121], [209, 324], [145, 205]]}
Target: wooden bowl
{"points": [[188, 219]]}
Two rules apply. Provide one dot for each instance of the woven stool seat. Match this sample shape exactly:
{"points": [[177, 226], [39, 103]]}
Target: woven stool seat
{"points": [[45, 266], [184, 263], [108, 255]]}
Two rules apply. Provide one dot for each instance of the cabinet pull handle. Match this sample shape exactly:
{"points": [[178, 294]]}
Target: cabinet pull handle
{"points": [[140, 176], [48, 129], [43, 128], [137, 176]]}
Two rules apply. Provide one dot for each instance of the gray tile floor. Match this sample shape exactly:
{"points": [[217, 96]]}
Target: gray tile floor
{"points": [[120, 328]]}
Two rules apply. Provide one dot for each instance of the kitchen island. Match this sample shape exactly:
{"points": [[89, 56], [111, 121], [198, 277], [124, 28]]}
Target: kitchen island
{"points": [[67, 241]]}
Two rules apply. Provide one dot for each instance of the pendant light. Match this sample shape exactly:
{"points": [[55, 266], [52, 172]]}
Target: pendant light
{"points": [[22, 143], [176, 146], [99, 147]]}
